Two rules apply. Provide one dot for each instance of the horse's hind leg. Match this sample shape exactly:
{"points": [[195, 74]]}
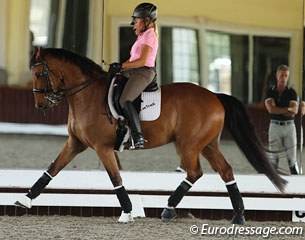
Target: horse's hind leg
{"points": [[194, 172], [216, 159], [71, 148]]}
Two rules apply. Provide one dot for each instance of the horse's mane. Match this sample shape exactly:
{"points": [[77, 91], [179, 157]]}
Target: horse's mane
{"points": [[87, 66]]}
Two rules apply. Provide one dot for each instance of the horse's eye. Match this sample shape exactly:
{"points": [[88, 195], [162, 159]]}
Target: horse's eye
{"points": [[37, 75]]}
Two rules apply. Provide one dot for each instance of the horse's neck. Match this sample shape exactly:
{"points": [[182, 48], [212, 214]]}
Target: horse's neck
{"points": [[83, 95], [88, 98]]}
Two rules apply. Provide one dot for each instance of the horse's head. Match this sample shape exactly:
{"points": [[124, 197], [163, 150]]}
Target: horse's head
{"points": [[47, 81]]}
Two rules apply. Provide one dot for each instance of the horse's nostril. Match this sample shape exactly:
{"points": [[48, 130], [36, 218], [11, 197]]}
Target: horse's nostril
{"points": [[40, 106]]}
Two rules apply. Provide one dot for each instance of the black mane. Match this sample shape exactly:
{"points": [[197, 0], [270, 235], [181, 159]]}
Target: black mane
{"points": [[87, 66]]}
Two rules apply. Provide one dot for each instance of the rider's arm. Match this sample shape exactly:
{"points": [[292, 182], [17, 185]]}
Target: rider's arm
{"points": [[140, 62]]}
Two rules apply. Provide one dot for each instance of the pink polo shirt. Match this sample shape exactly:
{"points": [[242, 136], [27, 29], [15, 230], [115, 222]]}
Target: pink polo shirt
{"points": [[149, 38]]}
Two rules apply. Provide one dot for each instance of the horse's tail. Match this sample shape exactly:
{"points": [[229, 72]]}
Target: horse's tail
{"points": [[244, 133]]}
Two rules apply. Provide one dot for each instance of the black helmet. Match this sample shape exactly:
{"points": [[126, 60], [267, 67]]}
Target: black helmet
{"points": [[145, 10]]}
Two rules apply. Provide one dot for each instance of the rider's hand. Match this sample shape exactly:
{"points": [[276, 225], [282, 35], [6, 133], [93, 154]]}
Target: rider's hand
{"points": [[115, 67]]}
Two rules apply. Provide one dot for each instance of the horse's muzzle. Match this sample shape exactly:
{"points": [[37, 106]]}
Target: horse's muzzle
{"points": [[41, 106], [41, 103]]}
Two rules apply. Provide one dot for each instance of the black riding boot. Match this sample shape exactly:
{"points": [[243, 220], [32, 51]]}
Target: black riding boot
{"points": [[120, 135], [134, 123]]}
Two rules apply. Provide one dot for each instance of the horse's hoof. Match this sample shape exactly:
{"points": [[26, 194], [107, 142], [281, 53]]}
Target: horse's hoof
{"points": [[125, 218], [24, 202], [238, 218], [168, 214], [180, 169]]}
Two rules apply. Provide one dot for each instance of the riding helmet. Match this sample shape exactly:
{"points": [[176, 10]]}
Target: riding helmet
{"points": [[145, 10]]}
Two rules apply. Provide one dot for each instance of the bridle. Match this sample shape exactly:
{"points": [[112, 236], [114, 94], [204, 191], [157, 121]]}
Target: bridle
{"points": [[54, 96]]}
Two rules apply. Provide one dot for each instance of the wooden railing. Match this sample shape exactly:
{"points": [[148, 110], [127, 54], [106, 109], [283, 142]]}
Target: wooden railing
{"points": [[70, 194], [17, 106]]}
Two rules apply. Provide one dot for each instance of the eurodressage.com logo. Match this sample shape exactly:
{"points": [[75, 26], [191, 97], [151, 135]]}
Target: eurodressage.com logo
{"points": [[234, 230]]}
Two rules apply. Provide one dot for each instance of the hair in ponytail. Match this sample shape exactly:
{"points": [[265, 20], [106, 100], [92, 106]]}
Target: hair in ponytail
{"points": [[156, 28]]}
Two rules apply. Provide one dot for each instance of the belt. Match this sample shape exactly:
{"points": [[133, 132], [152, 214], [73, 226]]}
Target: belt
{"points": [[146, 67], [282, 123]]}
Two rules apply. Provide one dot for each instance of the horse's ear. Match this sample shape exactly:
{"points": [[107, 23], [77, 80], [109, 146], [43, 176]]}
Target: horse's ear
{"points": [[38, 53], [34, 51]]}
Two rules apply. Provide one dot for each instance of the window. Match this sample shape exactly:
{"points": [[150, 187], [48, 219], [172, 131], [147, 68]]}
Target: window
{"points": [[127, 38], [185, 55], [228, 63], [76, 26], [39, 21], [241, 65], [269, 53], [179, 49], [219, 62], [71, 33], [179, 55]]}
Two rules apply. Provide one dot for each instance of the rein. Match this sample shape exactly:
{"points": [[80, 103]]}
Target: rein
{"points": [[54, 96]]}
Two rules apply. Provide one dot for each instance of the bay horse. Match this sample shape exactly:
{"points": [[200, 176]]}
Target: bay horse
{"points": [[191, 116]]}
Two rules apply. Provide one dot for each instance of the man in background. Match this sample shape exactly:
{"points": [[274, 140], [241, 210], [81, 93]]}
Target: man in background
{"points": [[282, 104]]}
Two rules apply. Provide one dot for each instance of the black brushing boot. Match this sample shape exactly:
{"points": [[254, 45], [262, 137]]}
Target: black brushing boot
{"points": [[237, 203], [134, 123]]}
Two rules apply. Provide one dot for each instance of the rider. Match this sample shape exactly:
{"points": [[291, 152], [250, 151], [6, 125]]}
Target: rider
{"points": [[140, 68]]}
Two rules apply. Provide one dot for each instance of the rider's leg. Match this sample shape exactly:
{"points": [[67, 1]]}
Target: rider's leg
{"points": [[137, 82], [134, 123]]}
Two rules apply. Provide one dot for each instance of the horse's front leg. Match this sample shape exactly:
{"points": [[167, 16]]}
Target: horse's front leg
{"points": [[71, 148], [108, 158]]}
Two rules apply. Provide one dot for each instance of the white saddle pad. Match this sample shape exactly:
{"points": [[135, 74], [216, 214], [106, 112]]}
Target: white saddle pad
{"points": [[150, 105]]}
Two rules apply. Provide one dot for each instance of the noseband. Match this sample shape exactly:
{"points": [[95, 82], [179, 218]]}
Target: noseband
{"points": [[54, 96]]}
